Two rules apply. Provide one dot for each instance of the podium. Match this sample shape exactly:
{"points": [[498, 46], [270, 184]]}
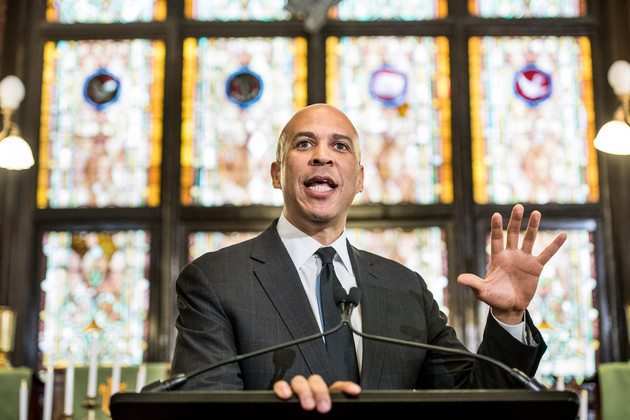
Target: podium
{"points": [[433, 404]]}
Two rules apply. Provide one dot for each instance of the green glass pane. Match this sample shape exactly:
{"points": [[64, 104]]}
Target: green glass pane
{"points": [[94, 278]]}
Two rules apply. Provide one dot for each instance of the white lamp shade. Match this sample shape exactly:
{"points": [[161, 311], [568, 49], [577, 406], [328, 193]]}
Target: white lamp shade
{"points": [[15, 153], [11, 92], [619, 77], [614, 137]]}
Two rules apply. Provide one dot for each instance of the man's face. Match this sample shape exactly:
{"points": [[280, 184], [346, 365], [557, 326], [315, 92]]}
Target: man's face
{"points": [[320, 172]]}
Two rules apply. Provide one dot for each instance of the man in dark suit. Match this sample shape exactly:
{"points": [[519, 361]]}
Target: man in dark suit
{"points": [[263, 291]]}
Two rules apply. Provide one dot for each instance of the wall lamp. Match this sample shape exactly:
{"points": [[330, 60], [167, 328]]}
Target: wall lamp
{"points": [[15, 153], [614, 136]]}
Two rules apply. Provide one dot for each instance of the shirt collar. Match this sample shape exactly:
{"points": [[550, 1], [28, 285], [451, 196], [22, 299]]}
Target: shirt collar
{"points": [[301, 246]]}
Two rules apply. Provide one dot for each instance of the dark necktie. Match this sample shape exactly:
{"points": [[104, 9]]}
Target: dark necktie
{"points": [[340, 344]]}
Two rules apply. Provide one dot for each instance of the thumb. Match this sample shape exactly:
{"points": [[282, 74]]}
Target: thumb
{"points": [[470, 280]]}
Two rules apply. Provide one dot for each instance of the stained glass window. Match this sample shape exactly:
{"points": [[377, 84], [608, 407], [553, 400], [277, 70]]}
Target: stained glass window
{"points": [[532, 120], [237, 95], [228, 10], [101, 124], [527, 8], [422, 250], [100, 278], [201, 242], [111, 11], [396, 90], [563, 308], [363, 10]]}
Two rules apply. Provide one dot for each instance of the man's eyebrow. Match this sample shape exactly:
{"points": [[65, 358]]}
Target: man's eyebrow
{"points": [[341, 137], [309, 134]]}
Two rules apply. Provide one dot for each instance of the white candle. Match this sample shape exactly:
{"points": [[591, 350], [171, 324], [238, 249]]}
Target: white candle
{"points": [[48, 393], [115, 375], [93, 370], [141, 379], [560, 383], [23, 400], [69, 389], [583, 405]]}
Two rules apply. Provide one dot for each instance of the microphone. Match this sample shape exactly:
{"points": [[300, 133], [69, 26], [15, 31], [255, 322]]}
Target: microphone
{"points": [[177, 381], [350, 301]]}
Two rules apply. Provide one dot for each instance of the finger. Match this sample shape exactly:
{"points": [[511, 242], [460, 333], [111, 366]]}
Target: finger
{"points": [[532, 231], [320, 393], [283, 390], [302, 390], [514, 227], [496, 234], [347, 387], [552, 248]]}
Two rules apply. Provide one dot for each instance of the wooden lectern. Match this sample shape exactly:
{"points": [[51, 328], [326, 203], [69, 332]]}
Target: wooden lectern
{"points": [[433, 404]]}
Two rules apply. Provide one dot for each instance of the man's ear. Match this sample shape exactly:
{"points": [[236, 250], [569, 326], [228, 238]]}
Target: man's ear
{"points": [[275, 170], [360, 183]]}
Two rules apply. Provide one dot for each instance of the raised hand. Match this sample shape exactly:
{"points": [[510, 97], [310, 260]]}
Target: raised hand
{"points": [[512, 276]]}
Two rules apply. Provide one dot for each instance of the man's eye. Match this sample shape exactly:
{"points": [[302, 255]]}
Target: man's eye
{"points": [[341, 146], [303, 143]]}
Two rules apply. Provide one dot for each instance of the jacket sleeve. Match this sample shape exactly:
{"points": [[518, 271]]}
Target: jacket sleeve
{"points": [[455, 371], [204, 334]]}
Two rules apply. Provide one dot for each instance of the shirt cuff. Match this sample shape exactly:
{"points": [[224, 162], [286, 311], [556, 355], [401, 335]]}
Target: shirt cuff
{"points": [[518, 331]]}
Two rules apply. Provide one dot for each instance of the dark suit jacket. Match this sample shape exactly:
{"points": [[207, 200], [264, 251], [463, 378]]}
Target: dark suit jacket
{"points": [[248, 296]]}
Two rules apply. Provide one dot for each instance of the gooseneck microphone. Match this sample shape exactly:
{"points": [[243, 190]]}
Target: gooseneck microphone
{"points": [[177, 381], [348, 303]]}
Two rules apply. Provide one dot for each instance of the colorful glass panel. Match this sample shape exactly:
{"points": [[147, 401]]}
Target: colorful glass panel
{"points": [[396, 91], [100, 278], [422, 250], [101, 124], [230, 10], [111, 11], [362, 10], [518, 9], [201, 242], [563, 308], [533, 120], [228, 143]]}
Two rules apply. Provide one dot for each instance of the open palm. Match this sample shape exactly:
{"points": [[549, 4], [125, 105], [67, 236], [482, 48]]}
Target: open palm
{"points": [[512, 277]]}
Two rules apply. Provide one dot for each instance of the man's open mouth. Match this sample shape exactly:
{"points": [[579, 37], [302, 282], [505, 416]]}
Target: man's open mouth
{"points": [[320, 184]]}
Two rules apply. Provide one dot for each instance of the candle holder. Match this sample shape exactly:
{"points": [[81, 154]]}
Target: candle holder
{"points": [[90, 406]]}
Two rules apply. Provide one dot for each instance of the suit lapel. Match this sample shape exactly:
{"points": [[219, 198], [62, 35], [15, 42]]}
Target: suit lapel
{"points": [[372, 317], [280, 279]]}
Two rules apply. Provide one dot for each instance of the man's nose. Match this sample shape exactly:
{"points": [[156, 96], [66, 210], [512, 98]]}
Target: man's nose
{"points": [[321, 154]]}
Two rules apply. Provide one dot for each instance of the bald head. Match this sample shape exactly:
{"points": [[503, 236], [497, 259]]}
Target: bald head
{"points": [[314, 111]]}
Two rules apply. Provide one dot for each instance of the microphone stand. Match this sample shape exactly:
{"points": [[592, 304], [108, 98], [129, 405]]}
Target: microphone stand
{"points": [[347, 303], [179, 380]]}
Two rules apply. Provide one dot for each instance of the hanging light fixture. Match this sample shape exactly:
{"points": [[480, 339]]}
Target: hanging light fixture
{"points": [[15, 153], [614, 136]]}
